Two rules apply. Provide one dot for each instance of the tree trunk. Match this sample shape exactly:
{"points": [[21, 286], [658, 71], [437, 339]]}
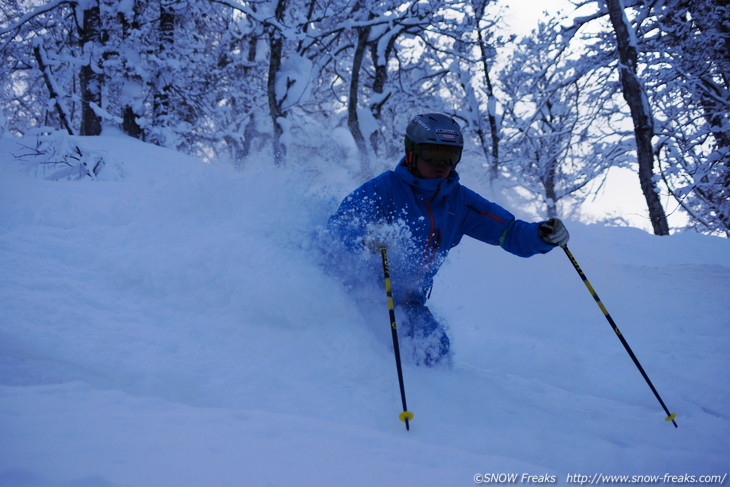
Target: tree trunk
{"points": [[163, 85], [130, 117], [40, 56], [381, 77], [636, 98], [279, 149], [90, 77], [353, 121], [276, 47], [491, 99], [551, 199]]}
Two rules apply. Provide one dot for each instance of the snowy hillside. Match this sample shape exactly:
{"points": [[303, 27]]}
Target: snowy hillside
{"points": [[170, 324]]}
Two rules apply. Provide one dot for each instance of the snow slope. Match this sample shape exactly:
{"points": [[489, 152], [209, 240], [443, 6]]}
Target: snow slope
{"points": [[170, 324]]}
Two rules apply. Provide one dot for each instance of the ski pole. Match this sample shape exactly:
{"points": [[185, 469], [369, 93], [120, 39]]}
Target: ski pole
{"points": [[670, 416], [406, 415]]}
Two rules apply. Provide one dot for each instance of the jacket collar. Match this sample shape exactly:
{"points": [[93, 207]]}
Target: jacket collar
{"points": [[428, 187]]}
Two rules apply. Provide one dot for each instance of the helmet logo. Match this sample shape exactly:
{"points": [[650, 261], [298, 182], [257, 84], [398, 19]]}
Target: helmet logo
{"points": [[422, 124], [448, 134]]}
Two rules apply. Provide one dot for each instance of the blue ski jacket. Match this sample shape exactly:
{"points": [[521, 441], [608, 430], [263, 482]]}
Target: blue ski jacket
{"points": [[436, 214]]}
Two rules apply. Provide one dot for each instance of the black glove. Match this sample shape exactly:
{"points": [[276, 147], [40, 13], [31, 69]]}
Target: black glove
{"points": [[554, 232]]}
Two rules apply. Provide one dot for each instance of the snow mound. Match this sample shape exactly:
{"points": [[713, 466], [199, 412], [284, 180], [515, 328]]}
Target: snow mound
{"points": [[169, 322]]}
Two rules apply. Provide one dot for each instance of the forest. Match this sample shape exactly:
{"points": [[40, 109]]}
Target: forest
{"points": [[637, 84]]}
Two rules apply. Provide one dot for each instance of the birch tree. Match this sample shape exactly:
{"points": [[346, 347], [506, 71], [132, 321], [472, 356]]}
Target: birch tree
{"points": [[636, 98]]}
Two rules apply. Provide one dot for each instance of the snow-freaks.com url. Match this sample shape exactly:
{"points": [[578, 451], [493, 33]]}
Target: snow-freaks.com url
{"points": [[605, 479], [598, 479]]}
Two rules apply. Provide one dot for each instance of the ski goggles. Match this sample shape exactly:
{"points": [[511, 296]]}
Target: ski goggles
{"points": [[436, 154]]}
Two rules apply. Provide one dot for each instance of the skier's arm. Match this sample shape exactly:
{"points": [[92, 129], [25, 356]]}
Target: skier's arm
{"points": [[490, 223], [360, 209]]}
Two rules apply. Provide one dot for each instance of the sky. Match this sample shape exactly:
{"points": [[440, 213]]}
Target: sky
{"points": [[522, 16]]}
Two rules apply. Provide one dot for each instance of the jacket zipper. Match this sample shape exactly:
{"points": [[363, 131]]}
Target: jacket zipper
{"points": [[434, 239]]}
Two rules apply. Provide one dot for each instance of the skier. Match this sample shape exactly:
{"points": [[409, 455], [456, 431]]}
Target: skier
{"points": [[419, 212]]}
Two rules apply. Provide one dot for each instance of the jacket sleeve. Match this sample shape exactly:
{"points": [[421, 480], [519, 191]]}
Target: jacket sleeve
{"points": [[361, 208], [490, 223]]}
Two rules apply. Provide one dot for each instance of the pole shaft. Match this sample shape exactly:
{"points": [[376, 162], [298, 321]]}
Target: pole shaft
{"points": [[394, 332], [670, 416]]}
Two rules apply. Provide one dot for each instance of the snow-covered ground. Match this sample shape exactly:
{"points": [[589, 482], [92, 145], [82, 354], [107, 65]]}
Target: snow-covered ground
{"points": [[170, 324]]}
